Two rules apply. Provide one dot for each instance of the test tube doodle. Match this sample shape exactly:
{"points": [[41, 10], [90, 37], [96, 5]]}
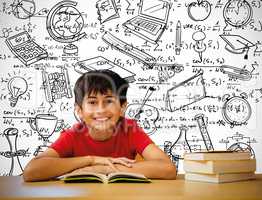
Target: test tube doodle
{"points": [[204, 133]]}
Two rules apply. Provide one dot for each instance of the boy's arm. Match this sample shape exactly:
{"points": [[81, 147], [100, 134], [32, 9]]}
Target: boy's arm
{"points": [[156, 164], [49, 165]]}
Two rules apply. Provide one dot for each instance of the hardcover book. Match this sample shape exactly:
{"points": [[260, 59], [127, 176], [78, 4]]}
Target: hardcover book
{"points": [[217, 155], [220, 166], [219, 178]]}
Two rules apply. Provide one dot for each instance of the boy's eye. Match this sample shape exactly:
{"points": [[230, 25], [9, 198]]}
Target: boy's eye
{"points": [[109, 101], [91, 102]]}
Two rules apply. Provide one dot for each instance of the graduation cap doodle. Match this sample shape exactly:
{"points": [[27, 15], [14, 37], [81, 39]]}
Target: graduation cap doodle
{"points": [[237, 44]]}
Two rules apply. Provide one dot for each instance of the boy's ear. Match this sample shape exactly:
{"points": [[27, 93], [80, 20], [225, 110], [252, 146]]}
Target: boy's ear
{"points": [[123, 108], [78, 111]]}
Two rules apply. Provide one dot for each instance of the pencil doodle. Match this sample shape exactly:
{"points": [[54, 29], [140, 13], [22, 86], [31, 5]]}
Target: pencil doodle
{"points": [[178, 38]]}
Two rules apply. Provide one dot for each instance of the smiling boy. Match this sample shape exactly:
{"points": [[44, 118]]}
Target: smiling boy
{"points": [[104, 141]]}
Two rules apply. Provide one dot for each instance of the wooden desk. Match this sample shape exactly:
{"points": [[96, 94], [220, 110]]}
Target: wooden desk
{"points": [[15, 188]]}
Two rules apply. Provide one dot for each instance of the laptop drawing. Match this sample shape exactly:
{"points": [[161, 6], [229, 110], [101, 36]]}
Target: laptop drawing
{"points": [[151, 21]]}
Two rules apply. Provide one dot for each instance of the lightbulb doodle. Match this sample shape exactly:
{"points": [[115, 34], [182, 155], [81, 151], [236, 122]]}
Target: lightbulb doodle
{"points": [[17, 88]]}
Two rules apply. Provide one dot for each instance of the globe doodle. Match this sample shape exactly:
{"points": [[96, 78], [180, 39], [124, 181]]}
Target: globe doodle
{"points": [[65, 23]]}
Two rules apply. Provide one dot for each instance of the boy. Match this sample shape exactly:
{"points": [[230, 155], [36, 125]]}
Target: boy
{"points": [[104, 141]]}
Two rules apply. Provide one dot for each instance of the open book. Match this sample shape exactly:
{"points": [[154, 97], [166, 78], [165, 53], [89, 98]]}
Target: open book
{"points": [[82, 177]]}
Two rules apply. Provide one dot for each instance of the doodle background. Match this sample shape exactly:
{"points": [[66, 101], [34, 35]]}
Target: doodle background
{"points": [[162, 124]]}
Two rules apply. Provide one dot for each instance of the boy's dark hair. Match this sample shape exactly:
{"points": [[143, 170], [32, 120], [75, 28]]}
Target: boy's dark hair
{"points": [[100, 81]]}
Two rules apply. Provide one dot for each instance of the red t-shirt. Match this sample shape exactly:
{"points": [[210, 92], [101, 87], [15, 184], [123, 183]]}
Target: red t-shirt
{"points": [[128, 140]]}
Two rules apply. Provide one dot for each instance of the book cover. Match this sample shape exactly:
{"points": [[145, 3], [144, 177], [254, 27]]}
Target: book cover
{"points": [[85, 177], [217, 155], [220, 166], [219, 178]]}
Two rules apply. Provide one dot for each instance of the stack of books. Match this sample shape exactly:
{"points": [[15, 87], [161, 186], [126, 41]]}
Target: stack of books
{"points": [[219, 166]]}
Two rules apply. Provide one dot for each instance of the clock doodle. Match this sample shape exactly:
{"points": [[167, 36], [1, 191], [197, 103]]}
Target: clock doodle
{"points": [[236, 110], [237, 13]]}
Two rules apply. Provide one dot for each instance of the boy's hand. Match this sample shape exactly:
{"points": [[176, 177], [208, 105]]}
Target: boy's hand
{"points": [[99, 160]]}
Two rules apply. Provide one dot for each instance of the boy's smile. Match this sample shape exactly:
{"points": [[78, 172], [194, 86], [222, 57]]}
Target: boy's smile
{"points": [[101, 112]]}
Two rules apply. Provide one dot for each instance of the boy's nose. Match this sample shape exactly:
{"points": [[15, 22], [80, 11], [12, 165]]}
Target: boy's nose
{"points": [[101, 107]]}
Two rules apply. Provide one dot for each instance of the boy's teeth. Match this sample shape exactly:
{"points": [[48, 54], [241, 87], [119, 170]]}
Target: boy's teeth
{"points": [[101, 119]]}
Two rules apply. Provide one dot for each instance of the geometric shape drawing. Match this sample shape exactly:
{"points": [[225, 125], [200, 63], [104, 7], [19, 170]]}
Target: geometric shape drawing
{"points": [[151, 21], [17, 86], [237, 44], [23, 9], [199, 11], [98, 63], [236, 110], [203, 129], [186, 93], [25, 49], [64, 24], [237, 13], [56, 85], [106, 10]]}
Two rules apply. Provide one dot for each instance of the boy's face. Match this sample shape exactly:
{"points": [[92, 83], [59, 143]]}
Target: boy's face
{"points": [[101, 113]]}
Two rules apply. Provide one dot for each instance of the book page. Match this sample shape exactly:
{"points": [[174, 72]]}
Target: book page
{"points": [[125, 174]]}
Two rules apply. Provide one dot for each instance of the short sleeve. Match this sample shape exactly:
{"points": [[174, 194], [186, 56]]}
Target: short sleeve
{"points": [[140, 139], [64, 144]]}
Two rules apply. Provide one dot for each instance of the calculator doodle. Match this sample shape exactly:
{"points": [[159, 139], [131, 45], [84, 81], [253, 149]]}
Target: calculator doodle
{"points": [[26, 50]]}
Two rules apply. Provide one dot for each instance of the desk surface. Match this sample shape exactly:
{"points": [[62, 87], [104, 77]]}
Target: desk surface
{"points": [[15, 188]]}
